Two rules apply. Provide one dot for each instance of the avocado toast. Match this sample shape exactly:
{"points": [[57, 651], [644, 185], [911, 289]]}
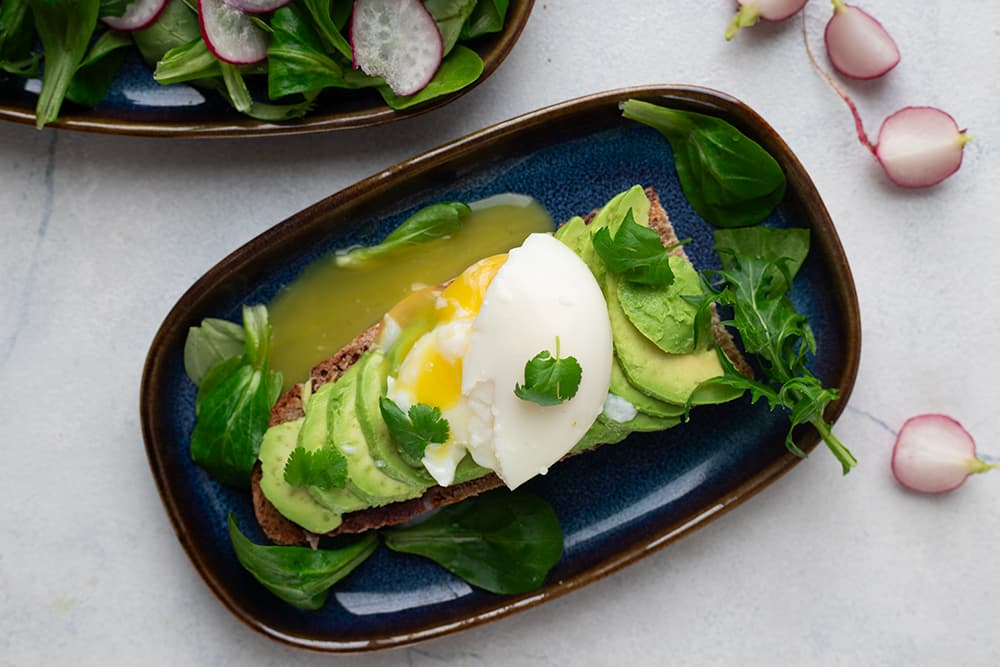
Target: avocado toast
{"points": [[338, 404]]}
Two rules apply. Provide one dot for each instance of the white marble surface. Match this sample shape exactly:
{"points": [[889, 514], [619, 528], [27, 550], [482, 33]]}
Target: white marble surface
{"points": [[101, 235]]}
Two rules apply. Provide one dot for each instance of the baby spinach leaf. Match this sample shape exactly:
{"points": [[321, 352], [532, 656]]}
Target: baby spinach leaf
{"points": [[234, 404], [504, 542], [324, 468], [93, 77], [431, 222], [300, 576], [416, 429], [450, 16], [210, 343], [549, 380], [458, 70], [65, 27], [636, 253], [728, 178], [488, 16]]}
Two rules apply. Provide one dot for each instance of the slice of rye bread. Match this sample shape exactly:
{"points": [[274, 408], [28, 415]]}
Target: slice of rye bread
{"points": [[289, 407]]}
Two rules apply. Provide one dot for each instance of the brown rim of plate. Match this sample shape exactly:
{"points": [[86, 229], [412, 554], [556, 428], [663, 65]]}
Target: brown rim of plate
{"points": [[596, 110], [493, 49]]}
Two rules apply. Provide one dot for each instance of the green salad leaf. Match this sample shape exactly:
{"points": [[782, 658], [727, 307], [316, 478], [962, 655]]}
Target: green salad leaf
{"points": [[16, 36], [210, 343], [431, 222], [324, 468], [504, 542], [93, 77], [65, 27], [176, 26], [779, 338], [487, 17], [635, 253], [300, 576], [450, 16], [549, 380], [458, 70], [416, 429], [234, 404], [728, 178]]}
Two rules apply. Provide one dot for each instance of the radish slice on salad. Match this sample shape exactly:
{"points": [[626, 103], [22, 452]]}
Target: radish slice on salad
{"points": [[257, 6], [230, 34], [397, 40], [934, 454], [750, 11], [857, 44], [138, 15]]}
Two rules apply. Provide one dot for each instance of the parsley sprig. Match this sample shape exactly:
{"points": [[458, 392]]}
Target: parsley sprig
{"points": [[636, 253], [779, 338], [324, 468], [416, 429], [550, 380]]}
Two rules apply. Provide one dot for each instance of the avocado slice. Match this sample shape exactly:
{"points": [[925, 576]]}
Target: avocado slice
{"points": [[654, 407], [364, 477], [294, 503], [663, 314], [673, 378], [572, 234], [602, 432], [312, 436], [372, 373]]}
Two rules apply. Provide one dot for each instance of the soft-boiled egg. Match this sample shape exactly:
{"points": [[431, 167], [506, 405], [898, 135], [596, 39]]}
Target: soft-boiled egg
{"points": [[485, 326]]}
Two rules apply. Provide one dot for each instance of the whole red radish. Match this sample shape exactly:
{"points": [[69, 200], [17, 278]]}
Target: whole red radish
{"points": [[751, 11], [935, 454], [857, 44]]}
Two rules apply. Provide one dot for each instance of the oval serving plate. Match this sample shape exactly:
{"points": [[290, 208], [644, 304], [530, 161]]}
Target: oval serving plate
{"points": [[138, 105], [616, 504]]}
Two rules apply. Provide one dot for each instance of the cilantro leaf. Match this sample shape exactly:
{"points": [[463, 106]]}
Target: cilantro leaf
{"points": [[324, 468], [549, 380], [779, 338], [416, 429], [636, 253]]}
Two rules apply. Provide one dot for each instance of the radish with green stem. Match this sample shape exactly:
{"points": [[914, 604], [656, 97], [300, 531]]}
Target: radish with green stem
{"points": [[751, 11], [935, 454], [397, 40], [917, 147], [857, 44]]}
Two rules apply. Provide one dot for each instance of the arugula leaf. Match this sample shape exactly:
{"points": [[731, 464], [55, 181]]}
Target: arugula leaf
{"points": [[414, 430], [728, 178], [458, 70], [788, 247], [778, 337], [324, 468], [65, 27], [504, 542], [549, 380], [210, 343], [487, 17], [93, 77], [300, 576], [429, 223], [636, 253], [234, 404]]}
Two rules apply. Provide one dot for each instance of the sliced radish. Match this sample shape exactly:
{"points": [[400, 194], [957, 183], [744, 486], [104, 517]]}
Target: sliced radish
{"points": [[920, 146], [917, 146], [230, 34], [397, 40], [934, 454], [139, 14], [857, 44], [750, 11], [257, 6]]}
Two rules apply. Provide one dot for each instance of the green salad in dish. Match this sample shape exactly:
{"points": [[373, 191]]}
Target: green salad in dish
{"points": [[269, 59]]}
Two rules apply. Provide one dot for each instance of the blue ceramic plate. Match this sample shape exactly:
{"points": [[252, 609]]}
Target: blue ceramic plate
{"points": [[138, 105], [651, 489]]}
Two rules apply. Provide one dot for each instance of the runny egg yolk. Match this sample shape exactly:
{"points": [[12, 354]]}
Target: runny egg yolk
{"points": [[432, 371]]}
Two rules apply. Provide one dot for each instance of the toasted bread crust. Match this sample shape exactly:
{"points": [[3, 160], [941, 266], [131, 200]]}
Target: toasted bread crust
{"points": [[289, 407]]}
